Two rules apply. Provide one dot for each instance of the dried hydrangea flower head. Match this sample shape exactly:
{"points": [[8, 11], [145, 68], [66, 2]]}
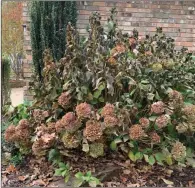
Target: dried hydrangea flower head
{"points": [[108, 110], [23, 130], [10, 134], [39, 148], [110, 121], [189, 112], [155, 138], [176, 99], [93, 130], [71, 140], [40, 115], [162, 121], [41, 145], [83, 110], [157, 107], [64, 99], [136, 132], [23, 124], [112, 61], [182, 127], [70, 122], [178, 151], [144, 122], [96, 150], [120, 48], [59, 126]]}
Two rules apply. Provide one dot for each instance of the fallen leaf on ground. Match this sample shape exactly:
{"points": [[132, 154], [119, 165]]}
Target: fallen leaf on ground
{"points": [[190, 183], [4, 180], [167, 182], [39, 182], [11, 168], [133, 185], [23, 178], [126, 172]]}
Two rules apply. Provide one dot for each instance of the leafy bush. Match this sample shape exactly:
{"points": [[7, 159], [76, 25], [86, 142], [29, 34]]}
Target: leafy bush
{"points": [[115, 92]]}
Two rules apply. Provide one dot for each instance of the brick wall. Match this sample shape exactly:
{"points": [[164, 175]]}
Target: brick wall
{"points": [[176, 17]]}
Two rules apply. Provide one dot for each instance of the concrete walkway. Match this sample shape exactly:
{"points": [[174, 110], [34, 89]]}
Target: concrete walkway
{"points": [[17, 96]]}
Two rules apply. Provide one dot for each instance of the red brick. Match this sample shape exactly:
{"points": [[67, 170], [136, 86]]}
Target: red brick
{"points": [[99, 4]]}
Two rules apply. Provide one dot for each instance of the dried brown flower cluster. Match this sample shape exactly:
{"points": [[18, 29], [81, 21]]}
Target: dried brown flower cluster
{"points": [[178, 151], [112, 61], [69, 122], [182, 127], [162, 121], [64, 99], [93, 130], [155, 138], [71, 140], [83, 110], [20, 133], [136, 132], [110, 121], [120, 48], [40, 115], [10, 134], [157, 107], [42, 144], [176, 99], [144, 122], [108, 110], [189, 112]]}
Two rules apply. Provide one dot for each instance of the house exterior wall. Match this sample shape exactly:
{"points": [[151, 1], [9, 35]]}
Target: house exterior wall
{"points": [[177, 18]]}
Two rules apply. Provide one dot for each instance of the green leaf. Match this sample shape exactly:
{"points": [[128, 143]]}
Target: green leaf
{"points": [[79, 175], [132, 156], [62, 165], [102, 86], [191, 162], [138, 156], [150, 96], [159, 157], [101, 99], [93, 183], [88, 174], [67, 178], [117, 140], [78, 182], [168, 160], [64, 173], [146, 158], [125, 138], [58, 172], [151, 160], [152, 118], [113, 146], [97, 94]]}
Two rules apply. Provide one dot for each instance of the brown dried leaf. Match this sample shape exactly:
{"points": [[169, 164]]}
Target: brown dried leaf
{"points": [[23, 178], [4, 180], [39, 182], [11, 168]]}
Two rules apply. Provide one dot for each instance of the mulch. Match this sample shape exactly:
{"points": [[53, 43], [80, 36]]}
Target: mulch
{"points": [[113, 171]]}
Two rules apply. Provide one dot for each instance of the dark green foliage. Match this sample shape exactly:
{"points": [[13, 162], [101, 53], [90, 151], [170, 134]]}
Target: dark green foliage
{"points": [[5, 69], [48, 29]]}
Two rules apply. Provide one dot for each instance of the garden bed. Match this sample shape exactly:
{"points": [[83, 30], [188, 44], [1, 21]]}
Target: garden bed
{"points": [[114, 172]]}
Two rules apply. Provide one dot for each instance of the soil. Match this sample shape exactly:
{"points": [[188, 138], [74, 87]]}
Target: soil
{"points": [[114, 171]]}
